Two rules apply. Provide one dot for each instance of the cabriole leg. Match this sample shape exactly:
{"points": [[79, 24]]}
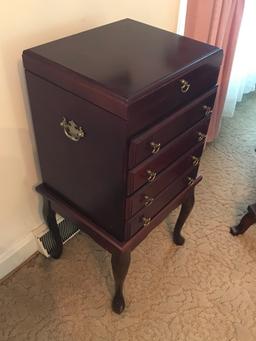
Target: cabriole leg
{"points": [[50, 220], [120, 265], [248, 219], [186, 208]]}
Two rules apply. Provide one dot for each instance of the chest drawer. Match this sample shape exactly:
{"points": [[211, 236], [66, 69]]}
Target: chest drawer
{"points": [[148, 170], [146, 195], [144, 216], [160, 134], [175, 94]]}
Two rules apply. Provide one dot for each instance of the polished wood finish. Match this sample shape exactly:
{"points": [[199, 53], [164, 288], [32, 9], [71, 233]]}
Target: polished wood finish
{"points": [[169, 193], [247, 220], [98, 100], [138, 176], [125, 61], [78, 170], [98, 234], [169, 128], [136, 201]]}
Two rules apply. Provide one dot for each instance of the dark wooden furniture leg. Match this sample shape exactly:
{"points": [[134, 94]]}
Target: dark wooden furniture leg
{"points": [[50, 219], [120, 265], [248, 219], [186, 208]]}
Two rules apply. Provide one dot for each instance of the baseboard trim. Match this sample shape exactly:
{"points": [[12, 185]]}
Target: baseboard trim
{"points": [[17, 254], [3, 279]]}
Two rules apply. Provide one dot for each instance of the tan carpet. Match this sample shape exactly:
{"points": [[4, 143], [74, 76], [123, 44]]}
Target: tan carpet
{"points": [[203, 291]]}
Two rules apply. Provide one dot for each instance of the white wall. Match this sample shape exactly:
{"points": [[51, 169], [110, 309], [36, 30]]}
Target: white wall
{"points": [[24, 24]]}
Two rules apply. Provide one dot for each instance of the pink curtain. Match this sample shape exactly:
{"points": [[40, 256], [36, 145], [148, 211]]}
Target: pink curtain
{"points": [[216, 22]]}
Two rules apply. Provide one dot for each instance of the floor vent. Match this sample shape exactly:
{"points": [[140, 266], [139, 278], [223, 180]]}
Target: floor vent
{"points": [[67, 231]]}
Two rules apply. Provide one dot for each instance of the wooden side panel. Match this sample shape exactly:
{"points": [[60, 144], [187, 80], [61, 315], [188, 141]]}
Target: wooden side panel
{"points": [[90, 173]]}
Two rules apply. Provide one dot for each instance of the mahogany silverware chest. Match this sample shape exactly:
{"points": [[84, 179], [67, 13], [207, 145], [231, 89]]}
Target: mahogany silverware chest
{"points": [[120, 116]]}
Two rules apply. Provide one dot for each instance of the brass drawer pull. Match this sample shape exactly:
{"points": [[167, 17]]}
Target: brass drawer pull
{"points": [[201, 136], [148, 200], [146, 221], [195, 160], [155, 147], [184, 86], [190, 181], [71, 130], [208, 110], [151, 175]]}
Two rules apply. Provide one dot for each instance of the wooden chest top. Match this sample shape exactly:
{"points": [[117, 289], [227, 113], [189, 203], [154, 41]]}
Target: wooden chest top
{"points": [[124, 60]]}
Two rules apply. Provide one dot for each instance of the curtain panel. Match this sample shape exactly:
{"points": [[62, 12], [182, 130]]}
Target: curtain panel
{"points": [[216, 22]]}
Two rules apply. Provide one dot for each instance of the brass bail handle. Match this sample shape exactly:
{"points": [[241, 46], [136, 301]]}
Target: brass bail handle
{"points": [[190, 181], [195, 160], [148, 200], [151, 175], [155, 147], [146, 221], [207, 110], [71, 130], [184, 86], [201, 136]]}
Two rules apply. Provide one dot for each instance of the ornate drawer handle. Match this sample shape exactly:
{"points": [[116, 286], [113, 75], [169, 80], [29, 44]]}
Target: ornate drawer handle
{"points": [[208, 110], [148, 200], [201, 136], [184, 86], [190, 181], [151, 175], [146, 221], [195, 160], [71, 130], [155, 147]]}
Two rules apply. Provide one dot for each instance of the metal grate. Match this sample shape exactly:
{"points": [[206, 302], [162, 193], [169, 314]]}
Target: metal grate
{"points": [[67, 230]]}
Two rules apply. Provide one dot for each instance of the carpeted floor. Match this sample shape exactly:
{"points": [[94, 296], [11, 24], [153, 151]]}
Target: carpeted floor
{"points": [[205, 290]]}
